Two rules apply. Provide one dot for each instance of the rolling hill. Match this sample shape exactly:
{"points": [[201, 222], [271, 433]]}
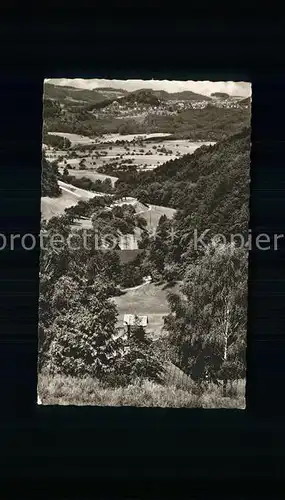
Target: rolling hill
{"points": [[111, 93], [150, 96], [72, 94], [209, 187], [185, 95], [221, 95], [143, 96]]}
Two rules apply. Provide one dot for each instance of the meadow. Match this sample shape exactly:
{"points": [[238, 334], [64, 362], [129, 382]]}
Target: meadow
{"points": [[149, 299], [69, 197], [63, 390], [145, 154]]}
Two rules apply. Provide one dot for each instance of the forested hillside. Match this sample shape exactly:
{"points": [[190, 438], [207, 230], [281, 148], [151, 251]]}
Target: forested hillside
{"points": [[211, 184], [141, 96], [71, 93], [210, 123]]}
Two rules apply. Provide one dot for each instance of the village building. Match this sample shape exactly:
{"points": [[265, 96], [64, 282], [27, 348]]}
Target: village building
{"points": [[132, 320]]}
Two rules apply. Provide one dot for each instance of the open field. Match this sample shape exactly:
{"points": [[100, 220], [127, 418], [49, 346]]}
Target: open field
{"points": [[70, 196], [90, 174], [74, 138], [130, 137], [153, 215], [142, 161], [145, 155], [151, 300], [54, 207], [61, 390], [107, 138]]}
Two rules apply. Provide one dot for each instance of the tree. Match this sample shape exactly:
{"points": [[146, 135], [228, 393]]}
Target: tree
{"points": [[54, 262], [82, 333], [65, 171], [207, 325], [107, 185], [159, 247], [139, 360], [50, 185]]}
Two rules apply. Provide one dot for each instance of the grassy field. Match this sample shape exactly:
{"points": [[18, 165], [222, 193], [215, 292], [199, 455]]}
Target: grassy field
{"points": [[109, 138], [153, 215], [60, 390], [147, 154], [70, 196], [150, 300], [53, 207], [89, 173]]}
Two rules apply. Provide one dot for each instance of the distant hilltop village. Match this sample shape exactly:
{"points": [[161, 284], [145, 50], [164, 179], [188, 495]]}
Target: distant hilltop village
{"points": [[105, 102], [125, 107]]}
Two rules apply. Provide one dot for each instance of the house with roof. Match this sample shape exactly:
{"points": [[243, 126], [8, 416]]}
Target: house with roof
{"points": [[132, 319]]}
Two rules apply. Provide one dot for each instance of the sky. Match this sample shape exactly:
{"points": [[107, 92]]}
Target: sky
{"points": [[201, 87]]}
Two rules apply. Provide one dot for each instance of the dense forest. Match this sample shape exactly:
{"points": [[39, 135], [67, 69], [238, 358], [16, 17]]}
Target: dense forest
{"points": [[210, 186], [208, 124]]}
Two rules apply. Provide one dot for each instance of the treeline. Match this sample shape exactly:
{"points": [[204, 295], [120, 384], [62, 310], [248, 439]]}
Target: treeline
{"points": [[121, 170], [49, 182], [56, 141], [222, 95], [101, 186], [208, 124], [79, 121]]}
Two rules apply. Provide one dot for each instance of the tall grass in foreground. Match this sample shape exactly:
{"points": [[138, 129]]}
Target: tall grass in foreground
{"points": [[60, 390]]}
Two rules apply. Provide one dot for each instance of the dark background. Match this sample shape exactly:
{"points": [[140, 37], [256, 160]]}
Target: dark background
{"points": [[127, 450]]}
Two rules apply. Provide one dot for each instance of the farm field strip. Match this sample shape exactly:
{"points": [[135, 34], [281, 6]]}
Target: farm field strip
{"points": [[91, 174], [109, 138], [145, 155]]}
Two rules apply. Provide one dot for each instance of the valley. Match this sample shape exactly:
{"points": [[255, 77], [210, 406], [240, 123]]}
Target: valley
{"points": [[142, 170]]}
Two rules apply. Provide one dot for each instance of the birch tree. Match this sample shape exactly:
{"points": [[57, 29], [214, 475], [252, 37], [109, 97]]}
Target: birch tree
{"points": [[207, 324]]}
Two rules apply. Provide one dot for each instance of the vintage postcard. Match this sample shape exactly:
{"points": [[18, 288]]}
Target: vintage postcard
{"points": [[144, 243]]}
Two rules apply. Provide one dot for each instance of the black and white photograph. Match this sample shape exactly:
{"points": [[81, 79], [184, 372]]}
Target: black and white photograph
{"points": [[144, 243]]}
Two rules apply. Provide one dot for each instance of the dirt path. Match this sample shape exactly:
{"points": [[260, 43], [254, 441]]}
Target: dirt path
{"points": [[135, 287]]}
